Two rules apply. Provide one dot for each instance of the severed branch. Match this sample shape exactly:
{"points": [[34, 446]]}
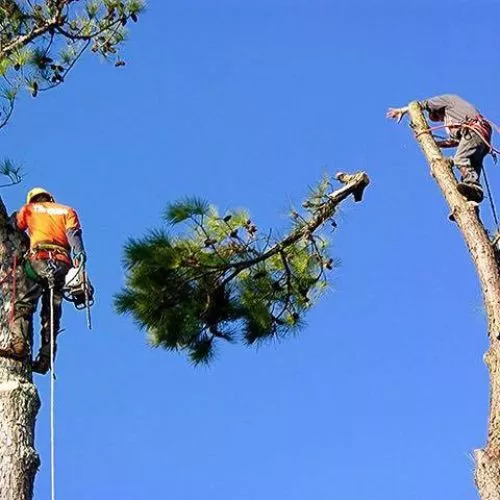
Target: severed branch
{"points": [[188, 289]]}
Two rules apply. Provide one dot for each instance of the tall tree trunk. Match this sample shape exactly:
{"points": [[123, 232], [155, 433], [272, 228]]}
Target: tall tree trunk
{"points": [[19, 400], [483, 254]]}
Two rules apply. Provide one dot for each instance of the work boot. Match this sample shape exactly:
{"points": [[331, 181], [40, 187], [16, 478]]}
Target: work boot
{"points": [[471, 190], [42, 362]]}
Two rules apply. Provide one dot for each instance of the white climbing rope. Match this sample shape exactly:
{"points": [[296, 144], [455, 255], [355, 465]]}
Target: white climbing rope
{"points": [[52, 394], [50, 275]]}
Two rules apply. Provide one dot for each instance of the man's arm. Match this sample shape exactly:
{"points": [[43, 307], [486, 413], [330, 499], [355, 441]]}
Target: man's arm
{"points": [[75, 240], [397, 113], [432, 104], [74, 235], [435, 103]]}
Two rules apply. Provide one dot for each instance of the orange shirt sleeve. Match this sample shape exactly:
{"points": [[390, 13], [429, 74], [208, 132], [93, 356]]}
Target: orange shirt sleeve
{"points": [[21, 219], [72, 221]]}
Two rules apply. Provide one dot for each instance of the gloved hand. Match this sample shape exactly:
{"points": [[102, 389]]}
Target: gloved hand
{"points": [[79, 259]]}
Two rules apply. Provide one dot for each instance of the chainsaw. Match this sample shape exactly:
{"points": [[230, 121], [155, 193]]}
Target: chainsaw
{"points": [[79, 290]]}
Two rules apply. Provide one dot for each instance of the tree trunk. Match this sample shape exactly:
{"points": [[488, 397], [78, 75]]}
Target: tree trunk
{"points": [[483, 254], [19, 400]]}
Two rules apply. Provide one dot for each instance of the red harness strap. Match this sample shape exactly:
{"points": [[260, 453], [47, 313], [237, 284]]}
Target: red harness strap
{"points": [[12, 314], [50, 252], [50, 255], [479, 125]]}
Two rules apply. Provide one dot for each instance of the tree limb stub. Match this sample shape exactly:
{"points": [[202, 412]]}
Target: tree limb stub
{"points": [[354, 184]]}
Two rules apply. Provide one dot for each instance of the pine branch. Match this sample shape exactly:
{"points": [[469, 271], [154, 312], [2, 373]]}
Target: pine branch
{"points": [[189, 290], [41, 42]]}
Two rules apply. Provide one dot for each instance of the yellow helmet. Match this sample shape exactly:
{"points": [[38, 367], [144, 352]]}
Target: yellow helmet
{"points": [[35, 192]]}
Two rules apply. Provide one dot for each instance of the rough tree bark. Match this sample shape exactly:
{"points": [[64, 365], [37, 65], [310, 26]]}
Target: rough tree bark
{"points": [[19, 400], [487, 474]]}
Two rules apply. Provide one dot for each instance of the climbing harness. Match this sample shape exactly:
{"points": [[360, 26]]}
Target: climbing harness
{"points": [[77, 287], [50, 251], [44, 251], [479, 124]]}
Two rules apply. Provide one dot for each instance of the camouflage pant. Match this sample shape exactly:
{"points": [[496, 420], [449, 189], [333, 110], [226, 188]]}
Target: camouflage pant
{"points": [[469, 156], [26, 303]]}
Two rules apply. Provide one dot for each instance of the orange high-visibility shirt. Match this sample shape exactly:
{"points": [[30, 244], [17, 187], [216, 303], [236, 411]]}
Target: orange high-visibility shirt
{"points": [[47, 223]]}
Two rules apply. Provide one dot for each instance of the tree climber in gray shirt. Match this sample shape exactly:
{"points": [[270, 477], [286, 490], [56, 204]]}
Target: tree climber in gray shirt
{"points": [[468, 131]]}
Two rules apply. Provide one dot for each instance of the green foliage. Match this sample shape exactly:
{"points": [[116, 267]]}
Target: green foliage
{"points": [[212, 276], [182, 210], [13, 172], [41, 41]]}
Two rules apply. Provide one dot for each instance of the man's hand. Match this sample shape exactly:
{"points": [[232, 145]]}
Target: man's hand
{"points": [[396, 113], [79, 259]]}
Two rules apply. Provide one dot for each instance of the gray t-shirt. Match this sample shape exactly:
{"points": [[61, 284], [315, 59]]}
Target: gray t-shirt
{"points": [[456, 110]]}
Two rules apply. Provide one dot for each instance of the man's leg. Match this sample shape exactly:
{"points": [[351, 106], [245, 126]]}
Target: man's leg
{"points": [[21, 325], [50, 310], [468, 159]]}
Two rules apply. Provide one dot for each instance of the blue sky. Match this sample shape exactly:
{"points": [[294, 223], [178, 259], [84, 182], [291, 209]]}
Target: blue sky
{"points": [[384, 395]]}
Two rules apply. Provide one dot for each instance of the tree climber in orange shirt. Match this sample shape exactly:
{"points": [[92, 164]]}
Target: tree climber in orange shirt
{"points": [[54, 232]]}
